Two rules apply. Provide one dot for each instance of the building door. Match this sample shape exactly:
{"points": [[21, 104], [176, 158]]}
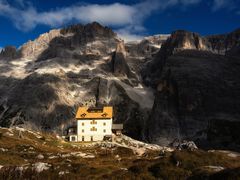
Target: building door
{"points": [[91, 138], [82, 138], [73, 138]]}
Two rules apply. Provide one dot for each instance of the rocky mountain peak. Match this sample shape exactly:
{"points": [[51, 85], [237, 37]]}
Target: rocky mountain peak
{"points": [[181, 39], [121, 48], [36, 47], [9, 52], [119, 65], [68, 38], [90, 30], [223, 43]]}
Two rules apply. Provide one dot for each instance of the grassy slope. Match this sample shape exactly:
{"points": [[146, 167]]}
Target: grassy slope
{"points": [[17, 156]]}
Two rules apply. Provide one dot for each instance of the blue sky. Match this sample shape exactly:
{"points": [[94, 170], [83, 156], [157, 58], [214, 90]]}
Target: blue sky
{"points": [[23, 20]]}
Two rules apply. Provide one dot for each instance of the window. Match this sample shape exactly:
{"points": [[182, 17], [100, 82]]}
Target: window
{"points": [[73, 138], [104, 130], [82, 138], [93, 122], [93, 129], [91, 138], [82, 130], [104, 124], [82, 123]]}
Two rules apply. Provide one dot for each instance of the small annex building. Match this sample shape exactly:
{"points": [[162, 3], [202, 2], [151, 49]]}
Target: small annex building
{"points": [[93, 124]]}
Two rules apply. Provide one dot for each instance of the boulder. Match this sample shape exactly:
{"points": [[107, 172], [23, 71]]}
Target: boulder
{"points": [[180, 145]]}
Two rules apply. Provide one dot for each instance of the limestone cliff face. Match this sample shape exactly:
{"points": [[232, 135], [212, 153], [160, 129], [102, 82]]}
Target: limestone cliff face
{"points": [[147, 47], [178, 41], [197, 94], [90, 38], [34, 48], [118, 63], [181, 40], [221, 44], [88, 32], [184, 40]]}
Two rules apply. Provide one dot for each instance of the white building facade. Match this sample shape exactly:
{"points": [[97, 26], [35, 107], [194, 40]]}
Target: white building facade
{"points": [[93, 124], [93, 129]]}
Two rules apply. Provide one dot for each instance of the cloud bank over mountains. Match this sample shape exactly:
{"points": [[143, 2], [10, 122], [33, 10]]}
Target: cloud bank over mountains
{"points": [[127, 20]]}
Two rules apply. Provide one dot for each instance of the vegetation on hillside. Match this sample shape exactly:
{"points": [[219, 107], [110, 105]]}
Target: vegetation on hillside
{"points": [[32, 155]]}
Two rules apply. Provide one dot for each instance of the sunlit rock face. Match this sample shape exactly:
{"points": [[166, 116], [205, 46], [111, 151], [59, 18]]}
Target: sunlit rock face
{"points": [[74, 40], [80, 65], [32, 49], [118, 63], [186, 40]]}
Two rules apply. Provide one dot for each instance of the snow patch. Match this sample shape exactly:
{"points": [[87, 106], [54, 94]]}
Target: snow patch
{"points": [[142, 95]]}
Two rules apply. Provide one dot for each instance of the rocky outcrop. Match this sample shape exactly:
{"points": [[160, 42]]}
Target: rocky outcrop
{"points": [[181, 145], [32, 49], [118, 63], [178, 41], [181, 40], [9, 52], [146, 48], [87, 38], [223, 43], [89, 32]]}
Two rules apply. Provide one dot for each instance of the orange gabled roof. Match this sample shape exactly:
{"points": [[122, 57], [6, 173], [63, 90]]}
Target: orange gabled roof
{"points": [[94, 113]]}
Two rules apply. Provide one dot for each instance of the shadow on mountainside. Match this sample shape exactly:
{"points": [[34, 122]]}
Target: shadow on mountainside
{"points": [[33, 102], [198, 99]]}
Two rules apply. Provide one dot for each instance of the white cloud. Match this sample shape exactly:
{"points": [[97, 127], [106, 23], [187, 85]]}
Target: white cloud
{"points": [[225, 4], [128, 36], [126, 19], [219, 4], [190, 2]]}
